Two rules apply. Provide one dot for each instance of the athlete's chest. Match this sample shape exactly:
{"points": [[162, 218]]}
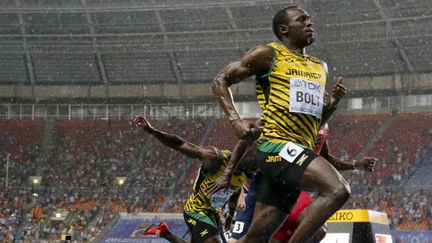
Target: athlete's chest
{"points": [[309, 69], [300, 82]]}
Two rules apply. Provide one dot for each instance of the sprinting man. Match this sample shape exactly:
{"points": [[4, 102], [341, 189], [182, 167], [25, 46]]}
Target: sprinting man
{"points": [[284, 233], [200, 210], [292, 85]]}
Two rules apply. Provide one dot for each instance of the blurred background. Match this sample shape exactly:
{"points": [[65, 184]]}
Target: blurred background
{"points": [[75, 72]]}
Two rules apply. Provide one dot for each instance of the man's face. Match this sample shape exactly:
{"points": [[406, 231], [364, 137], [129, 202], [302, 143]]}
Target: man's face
{"points": [[299, 27]]}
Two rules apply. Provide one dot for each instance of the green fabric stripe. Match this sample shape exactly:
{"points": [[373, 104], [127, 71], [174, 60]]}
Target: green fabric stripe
{"points": [[201, 218], [269, 147]]}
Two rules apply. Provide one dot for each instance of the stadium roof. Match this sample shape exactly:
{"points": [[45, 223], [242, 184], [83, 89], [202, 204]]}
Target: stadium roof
{"points": [[175, 41]]}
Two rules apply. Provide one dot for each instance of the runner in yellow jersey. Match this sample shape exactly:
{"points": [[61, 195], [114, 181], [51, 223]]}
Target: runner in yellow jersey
{"points": [[290, 88], [201, 210]]}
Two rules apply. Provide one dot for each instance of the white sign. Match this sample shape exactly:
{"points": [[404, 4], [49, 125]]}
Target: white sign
{"points": [[306, 97], [336, 238], [290, 152]]}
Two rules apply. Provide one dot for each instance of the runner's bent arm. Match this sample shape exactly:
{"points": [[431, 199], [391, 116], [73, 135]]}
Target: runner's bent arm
{"points": [[223, 181], [257, 61], [337, 93], [367, 163], [241, 148], [232, 204]]}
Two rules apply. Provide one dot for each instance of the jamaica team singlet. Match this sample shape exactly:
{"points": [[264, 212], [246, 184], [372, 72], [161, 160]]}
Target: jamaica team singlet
{"points": [[199, 201], [292, 97]]}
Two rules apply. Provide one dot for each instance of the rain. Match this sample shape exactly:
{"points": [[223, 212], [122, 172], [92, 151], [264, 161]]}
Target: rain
{"points": [[112, 127]]}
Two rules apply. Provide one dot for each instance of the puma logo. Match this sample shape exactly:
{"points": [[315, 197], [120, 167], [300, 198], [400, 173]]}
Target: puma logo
{"points": [[301, 160], [204, 232]]}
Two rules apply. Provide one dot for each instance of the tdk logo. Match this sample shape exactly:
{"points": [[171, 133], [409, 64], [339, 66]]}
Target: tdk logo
{"points": [[308, 85]]}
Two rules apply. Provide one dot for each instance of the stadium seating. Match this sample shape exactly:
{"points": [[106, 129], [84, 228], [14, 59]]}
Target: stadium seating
{"points": [[79, 161]]}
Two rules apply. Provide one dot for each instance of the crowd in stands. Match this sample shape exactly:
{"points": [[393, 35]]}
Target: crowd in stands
{"points": [[79, 162], [21, 141], [93, 153]]}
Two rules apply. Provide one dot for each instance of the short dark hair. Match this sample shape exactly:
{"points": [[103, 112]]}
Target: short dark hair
{"points": [[280, 18]]}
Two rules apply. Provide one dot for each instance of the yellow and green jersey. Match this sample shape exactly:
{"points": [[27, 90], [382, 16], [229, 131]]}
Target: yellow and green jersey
{"points": [[292, 97], [199, 201]]}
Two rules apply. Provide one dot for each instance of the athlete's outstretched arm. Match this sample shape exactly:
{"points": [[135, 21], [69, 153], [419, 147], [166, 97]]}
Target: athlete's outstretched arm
{"points": [[257, 61], [367, 163], [175, 142]]}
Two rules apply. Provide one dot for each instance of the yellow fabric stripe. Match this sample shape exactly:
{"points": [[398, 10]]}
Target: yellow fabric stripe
{"points": [[306, 126], [291, 121], [279, 96], [276, 117], [284, 84]]}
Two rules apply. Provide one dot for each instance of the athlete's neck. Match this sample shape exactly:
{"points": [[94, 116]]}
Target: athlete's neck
{"points": [[294, 48], [298, 51]]}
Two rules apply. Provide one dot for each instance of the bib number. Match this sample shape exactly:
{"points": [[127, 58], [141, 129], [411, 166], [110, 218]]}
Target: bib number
{"points": [[306, 97], [290, 152], [227, 235], [238, 227]]}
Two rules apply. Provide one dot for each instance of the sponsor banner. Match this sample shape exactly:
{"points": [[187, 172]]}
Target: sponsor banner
{"points": [[400, 236], [306, 97], [359, 215]]}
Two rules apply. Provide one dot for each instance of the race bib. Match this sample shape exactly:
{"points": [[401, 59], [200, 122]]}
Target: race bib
{"points": [[306, 97], [290, 152], [238, 227], [227, 235], [220, 198]]}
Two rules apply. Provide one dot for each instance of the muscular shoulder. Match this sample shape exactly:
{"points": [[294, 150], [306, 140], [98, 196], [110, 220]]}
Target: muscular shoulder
{"points": [[259, 58], [259, 55], [261, 51]]}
